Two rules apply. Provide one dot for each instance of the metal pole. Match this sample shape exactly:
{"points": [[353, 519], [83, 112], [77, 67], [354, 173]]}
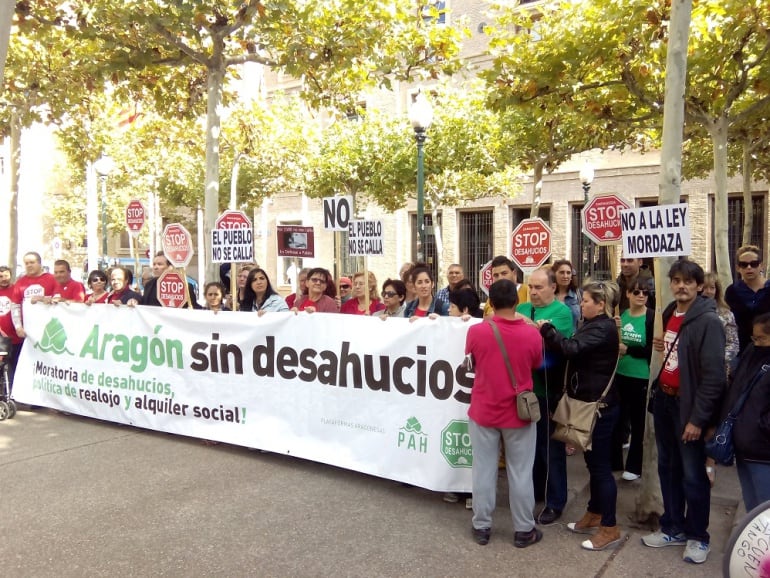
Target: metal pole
{"points": [[590, 268], [104, 221], [419, 135]]}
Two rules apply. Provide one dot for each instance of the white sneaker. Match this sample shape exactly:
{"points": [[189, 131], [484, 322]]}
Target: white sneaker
{"points": [[660, 539], [630, 476], [450, 498], [696, 552], [468, 503]]}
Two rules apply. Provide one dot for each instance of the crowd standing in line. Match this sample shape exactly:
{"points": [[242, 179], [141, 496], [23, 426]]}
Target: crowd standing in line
{"points": [[577, 353]]}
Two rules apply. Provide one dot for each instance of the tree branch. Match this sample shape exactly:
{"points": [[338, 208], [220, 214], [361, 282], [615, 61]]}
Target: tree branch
{"points": [[184, 48], [250, 58]]}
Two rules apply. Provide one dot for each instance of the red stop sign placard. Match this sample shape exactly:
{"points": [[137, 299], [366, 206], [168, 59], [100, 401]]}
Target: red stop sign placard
{"points": [[135, 216], [485, 277], [172, 289], [601, 219], [233, 220], [531, 244], [177, 245]]}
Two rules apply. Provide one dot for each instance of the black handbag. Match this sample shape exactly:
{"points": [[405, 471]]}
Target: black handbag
{"points": [[720, 447]]}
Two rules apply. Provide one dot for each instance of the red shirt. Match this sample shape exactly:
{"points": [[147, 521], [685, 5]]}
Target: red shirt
{"points": [[493, 400], [351, 306], [44, 285], [670, 374], [72, 291], [102, 299], [6, 322], [420, 312]]}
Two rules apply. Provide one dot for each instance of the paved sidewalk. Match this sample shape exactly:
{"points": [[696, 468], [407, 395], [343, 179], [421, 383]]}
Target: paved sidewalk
{"points": [[88, 498]]}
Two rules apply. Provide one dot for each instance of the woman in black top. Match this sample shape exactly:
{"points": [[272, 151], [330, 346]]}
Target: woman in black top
{"points": [[592, 355]]}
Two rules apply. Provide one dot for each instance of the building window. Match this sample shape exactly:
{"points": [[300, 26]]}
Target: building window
{"points": [[125, 241], [476, 243], [735, 218], [429, 11], [429, 250], [580, 252]]}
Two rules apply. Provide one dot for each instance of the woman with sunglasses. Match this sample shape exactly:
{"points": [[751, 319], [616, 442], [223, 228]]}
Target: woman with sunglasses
{"points": [[750, 295], [394, 298], [356, 305], [97, 283], [321, 292], [631, 377]]}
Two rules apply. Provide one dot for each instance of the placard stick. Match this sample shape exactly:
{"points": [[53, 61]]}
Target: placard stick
{"points": [[366, 284], [186, 288], [233, 287], [338, 259]]}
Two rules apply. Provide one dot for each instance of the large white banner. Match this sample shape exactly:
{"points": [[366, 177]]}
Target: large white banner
{"points": [[386, 398]]}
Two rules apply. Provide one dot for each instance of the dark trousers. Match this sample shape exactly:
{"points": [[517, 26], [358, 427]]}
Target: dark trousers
{"points": [[604, 490], [682, 470], [549, 474], [633, 409]]}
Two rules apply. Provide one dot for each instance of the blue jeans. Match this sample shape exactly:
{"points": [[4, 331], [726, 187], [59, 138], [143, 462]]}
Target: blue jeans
{"points": [[604, 490], [682, 471], [755, 482], [550, 472]]}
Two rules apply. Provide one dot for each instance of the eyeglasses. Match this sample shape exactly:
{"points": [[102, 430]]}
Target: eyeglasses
{"points": [[344, 286], [317, 281], [638, 292], [753, 264], [389, 294]]}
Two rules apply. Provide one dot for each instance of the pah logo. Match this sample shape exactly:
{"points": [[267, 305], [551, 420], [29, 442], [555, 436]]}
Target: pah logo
{"points": [[411, 436], [54, 338]]}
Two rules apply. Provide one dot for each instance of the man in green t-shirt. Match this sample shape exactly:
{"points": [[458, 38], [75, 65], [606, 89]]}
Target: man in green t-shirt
{"points": [[550, 470]]}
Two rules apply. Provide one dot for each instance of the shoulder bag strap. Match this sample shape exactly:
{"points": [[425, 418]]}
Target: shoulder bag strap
{"points": [[736, 409], [499, 339], [670, 349]]}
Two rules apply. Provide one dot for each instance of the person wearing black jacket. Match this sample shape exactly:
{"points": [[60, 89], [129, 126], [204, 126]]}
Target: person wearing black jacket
{"points": [[686, 404], [751, 432], [592, 355]]}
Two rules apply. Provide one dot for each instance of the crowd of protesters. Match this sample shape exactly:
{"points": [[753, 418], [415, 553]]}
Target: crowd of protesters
{"points": [[591, 343]]}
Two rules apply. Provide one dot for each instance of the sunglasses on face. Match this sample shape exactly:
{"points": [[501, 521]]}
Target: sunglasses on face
{"points": [[316, 281], [753, 264], [389, 294], [638, 292], [344, 286]]}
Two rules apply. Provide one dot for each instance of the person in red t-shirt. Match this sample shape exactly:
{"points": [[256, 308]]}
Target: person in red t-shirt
{"points": [[6, 321], [356, 305], [69, 290], [34, 286], [494, 418]]}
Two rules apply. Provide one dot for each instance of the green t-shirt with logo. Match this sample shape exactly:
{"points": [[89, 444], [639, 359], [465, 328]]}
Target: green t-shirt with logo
{"points": [[633, 334], [560, 316]]}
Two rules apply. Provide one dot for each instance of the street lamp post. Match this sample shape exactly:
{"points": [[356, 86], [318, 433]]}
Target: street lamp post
{"points": [[103, 167], [586, 178], [421, 117]]}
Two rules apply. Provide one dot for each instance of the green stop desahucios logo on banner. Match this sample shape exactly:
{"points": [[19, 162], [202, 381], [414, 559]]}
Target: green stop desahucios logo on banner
{"points": [[456, 444]]}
